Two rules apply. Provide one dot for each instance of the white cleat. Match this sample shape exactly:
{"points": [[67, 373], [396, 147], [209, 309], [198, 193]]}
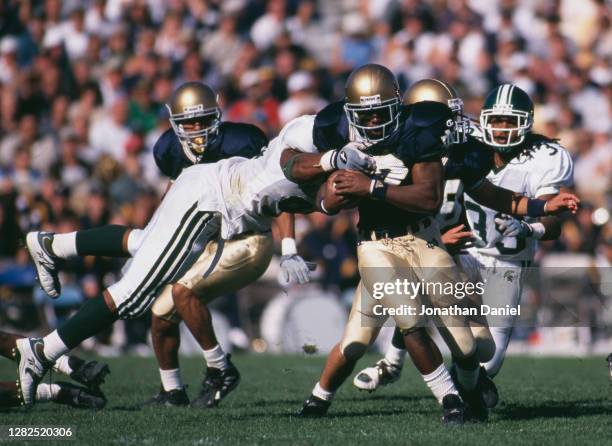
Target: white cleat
{"points": [[38, 244], [379, 375], [31, 367]]}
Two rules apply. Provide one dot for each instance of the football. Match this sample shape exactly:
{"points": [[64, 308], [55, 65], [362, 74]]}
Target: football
{"points": [[332, 201]]}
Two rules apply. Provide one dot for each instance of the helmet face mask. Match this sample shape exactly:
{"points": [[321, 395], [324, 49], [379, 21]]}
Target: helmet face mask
{"points": [[506, 118], [436, 90], [372, 103], [460, 127], [374, 122], [195, 118]]}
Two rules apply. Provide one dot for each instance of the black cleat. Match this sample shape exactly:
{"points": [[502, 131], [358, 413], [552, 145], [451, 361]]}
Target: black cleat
{"points": [[170, 398], [476, 409], [78, 396], [453, 410], [314, 407], [88, 373], [217, 385], [490, 395]]}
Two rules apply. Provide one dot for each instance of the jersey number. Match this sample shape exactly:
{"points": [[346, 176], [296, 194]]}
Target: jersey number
{"points": [[480, 225]]}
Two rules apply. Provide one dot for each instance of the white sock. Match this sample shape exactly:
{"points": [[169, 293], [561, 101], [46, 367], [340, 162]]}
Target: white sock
{"points": [[467, 378], [395, 356], [54, 346], [46, 392], [320, 392], [171, 379], [62, 365], [440, 383], [216, 358], [64, 245]]}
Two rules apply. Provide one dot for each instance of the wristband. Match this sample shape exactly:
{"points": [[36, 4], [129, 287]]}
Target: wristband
{"points": [[378, 189], [328, 161], [288, 246], [322, 206], [537, 230], [536, 208]]}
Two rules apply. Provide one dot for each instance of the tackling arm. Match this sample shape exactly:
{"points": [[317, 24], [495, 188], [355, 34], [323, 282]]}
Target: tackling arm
{"points": [[513, 203], [301, 167]]}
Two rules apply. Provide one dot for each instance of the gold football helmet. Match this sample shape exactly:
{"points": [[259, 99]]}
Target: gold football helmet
{"points": [[436, 90], [372, 102], [195, 117]]}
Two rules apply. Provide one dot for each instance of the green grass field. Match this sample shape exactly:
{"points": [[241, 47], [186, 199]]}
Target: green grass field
{"points": [[544, 401]]}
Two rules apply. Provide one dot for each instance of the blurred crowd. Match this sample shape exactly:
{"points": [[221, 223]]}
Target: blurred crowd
{"points": [[83, 86]]}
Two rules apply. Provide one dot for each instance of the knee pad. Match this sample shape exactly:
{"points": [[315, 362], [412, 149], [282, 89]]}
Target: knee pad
{"points": [[164, 308], [357, 339]]}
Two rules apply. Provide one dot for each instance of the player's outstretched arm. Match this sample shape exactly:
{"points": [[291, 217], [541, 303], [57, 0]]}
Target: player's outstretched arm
{"points": [[513, 203], [301, 167], [424, 195]]}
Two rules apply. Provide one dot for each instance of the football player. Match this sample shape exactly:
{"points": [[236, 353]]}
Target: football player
{"points": [[90, 374], [527, 163], [396, 232], [231, 197], [196, 136]]}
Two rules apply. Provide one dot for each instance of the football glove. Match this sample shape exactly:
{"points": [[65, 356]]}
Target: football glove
{"points": [[293, 270], [349, 157], [511, 227], [293, 267]]}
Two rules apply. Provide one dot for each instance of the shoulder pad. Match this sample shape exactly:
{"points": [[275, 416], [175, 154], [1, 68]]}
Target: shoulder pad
{"points": [[168, 154], [330, 130], [241, 139]]}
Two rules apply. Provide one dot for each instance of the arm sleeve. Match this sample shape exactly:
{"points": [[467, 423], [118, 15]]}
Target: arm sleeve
{"points": [[297, 135]]}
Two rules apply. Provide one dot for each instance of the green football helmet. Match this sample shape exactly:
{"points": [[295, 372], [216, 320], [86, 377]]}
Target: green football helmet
{"points": [[514, 104]]}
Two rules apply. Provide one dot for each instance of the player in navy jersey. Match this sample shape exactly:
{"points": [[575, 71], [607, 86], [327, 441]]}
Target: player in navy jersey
{"points": [[196, 136], [497, 246], [396, 172]]}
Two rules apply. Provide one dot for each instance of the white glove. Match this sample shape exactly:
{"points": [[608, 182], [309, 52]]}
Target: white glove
{"points": [[511, 227], [293, 267], [293, 270], [349, 157]]}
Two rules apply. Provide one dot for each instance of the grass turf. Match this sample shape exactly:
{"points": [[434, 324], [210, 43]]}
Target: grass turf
{"points": [[543, 401]]}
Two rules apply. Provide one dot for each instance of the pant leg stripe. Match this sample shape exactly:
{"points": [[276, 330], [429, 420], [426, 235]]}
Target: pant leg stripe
{"points": [[188, 215], [172, 266], [157, 273]]}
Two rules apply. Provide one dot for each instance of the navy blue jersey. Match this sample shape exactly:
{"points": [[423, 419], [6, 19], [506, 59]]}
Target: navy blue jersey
{"points": [[233, 139], [469, 162], [419, 137]]}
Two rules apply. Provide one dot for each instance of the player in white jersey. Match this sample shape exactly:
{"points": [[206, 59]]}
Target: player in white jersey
{"points": [[245, 193], [530, 164], [500, 246]]}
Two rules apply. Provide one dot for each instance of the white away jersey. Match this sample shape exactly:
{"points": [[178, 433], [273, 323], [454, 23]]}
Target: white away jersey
{"points": [[543, 170], [249, 193]]}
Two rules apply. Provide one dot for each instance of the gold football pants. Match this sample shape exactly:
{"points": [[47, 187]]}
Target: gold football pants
{"points": [[418, 257], [240, 262]]}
